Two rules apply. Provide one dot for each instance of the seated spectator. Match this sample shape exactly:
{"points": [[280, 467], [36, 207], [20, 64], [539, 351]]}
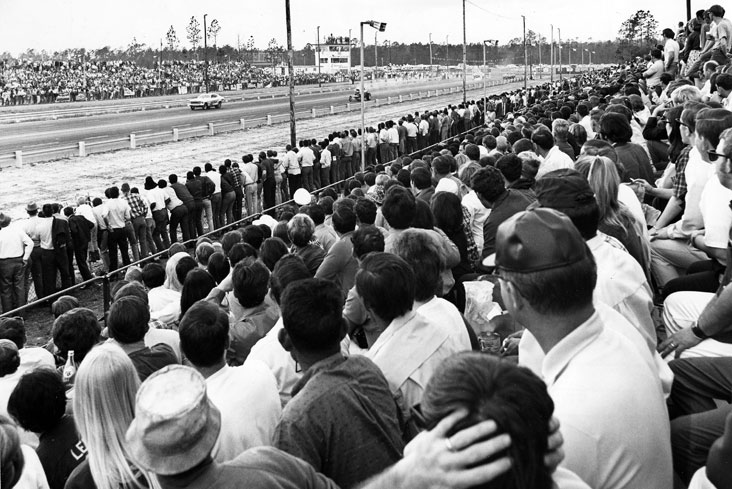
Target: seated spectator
{"points": [[409, 347], [615, 128], [514, 398], [300, 231], [13, 329], [76, 330], [197, 285], [552, 158], [38, 404], [271, 251], [203, 253], [339, 265], [248, 389], [104, 406], [20, 465], [127, 323], [324, 233], [334, 388], [218, 266], [63, 304], [584, 362]]}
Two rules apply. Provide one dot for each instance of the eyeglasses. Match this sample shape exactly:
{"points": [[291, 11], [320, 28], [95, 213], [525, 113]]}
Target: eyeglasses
{"points": [[713, 155]]}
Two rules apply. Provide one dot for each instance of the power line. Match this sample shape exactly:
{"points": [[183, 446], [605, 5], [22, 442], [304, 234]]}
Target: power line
{"points": [[488, 11]]}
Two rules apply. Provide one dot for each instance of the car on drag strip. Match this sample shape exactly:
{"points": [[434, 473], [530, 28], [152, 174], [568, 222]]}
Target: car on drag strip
{"points": [[206, 101]]}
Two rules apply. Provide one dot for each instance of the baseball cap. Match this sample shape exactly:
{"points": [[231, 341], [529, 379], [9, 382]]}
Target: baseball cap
{"points": [[563, 189]]}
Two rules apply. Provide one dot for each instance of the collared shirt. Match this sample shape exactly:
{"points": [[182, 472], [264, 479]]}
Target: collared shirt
{"points": [[44, 230], [118, 213], [86, 211], [326, 236], [555, 159], [157, 196], [15, 243], [697, 172], [30, 227], [510, 203], [424, 127], [137, 206], [100, 216], [593, 367], [411, 129], [342, 420], [249, 389], [393, 135], [252, 171], [408, 351], [478, 214], [236, 173], [325, 158], [680, 178], [291, 163], [306, 157], [269, 351], [339, 264], [251, 327], [172, 198], [447, 317], [347, 147]]}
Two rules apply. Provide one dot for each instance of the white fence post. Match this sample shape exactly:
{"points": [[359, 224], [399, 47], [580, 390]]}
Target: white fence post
{"points": [[19, 159], [210, 129], [82, 149], [401, 99], [242, 124], [133, 141], [411, 96], [269, 120], [176, 134], [332, 109], [388, 100], [348, 106], [314, 113]]}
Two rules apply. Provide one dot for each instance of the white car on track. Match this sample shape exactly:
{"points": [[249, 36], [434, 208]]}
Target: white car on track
{"points": [[206, 101]]}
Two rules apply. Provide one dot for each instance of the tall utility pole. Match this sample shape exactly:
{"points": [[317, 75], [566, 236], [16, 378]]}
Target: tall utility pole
{"points": [[484, 77], [551, 56], [526, 56], [447, 51], [205, 53], [538, 40], [376, 59], [430, 52], [349, 54], [559, 47], [379, 26], [291, 72], [465, 59], [318, 54]]}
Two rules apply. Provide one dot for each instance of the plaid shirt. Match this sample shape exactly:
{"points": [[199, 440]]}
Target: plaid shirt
{"points": [[473, 251], [236, 172], [137, 206], [680, 178]]}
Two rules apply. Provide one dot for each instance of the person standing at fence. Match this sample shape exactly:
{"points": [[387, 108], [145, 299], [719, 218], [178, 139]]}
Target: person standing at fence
{"points": [[99, 210], [15, 251], [228, 195], [181, 191], [81, 234], [177, 211], [269, 183], [250, 174], [215, 177], [292, 165], [238, 187], [157, 197], [207, 190], [306, 158], [138, 211], [33, 267], [347, 150], [118, 213]]}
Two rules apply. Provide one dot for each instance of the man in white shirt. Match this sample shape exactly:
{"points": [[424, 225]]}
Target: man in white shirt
{"points": [[412, 129], [552, 157], [118, 214], [654, 71], [15, 251], [410, 347], [292, 166], [670, 53], [246, 395], [306, 158], [607, 397]]}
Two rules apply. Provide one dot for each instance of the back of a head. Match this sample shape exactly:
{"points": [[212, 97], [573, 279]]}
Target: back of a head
{"points": [[510, 166], [9, 358], [710, 123], [367, 239], [447, 212], [229, 239], [184, 265], [488, 183], [13, 329], [543, 138], [204, 334], [271, 251], [38, 401], [560, 128], [197, 286], [11, 456], [568, 191], [421, 253], [598, 147], [250, 280], [128, 318], [512, 396], [366, 211], [77, 330], [218, 266], [312, 314], [153, 275], [344, 216], [399, 208], [240, 252], [253, 235], [300, 229], [203, 253], [386, 284], [523, 145], [104, 405], [290, 268], [615, 128]]}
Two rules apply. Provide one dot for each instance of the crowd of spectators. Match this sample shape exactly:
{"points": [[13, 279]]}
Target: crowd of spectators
{"points": [[344, 338], [37, 83]]}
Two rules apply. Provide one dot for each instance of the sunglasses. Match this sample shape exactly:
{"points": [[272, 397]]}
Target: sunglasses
{"points": [[713, 155]]}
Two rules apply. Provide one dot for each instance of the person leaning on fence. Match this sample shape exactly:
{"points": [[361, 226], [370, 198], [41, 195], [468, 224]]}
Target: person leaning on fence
{"points": [[16, 248]]}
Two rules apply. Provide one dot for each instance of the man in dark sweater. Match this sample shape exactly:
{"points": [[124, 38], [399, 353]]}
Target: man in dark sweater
{"points": [[184, 194]]}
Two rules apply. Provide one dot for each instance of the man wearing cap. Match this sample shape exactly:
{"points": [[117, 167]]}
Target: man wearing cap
{"points": [[607, 397], [176, 428], [342, 418], [15, 251]]}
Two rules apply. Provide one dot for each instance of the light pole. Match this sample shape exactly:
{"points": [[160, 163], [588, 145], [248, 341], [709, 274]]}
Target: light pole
{"points": [[376, 58], [379, 26], [583, 55], [484, 73], [290, 72], [318, 53], [559, 48], [349, 55], [430, 52], [205, 53], [447, 53], [551, 57], [465, 59], [591, 53], [526, 56]]}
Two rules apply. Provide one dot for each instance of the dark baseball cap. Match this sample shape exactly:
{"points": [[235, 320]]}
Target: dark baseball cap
{"points": [[563, 189], [535, 240]]}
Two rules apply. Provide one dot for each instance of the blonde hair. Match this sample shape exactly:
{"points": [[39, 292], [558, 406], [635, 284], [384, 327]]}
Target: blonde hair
{"points": [[605, 181], [104, 405]]}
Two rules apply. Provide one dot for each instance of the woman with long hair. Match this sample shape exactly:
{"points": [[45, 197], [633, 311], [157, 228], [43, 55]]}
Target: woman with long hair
{"points": [[104, 406], [616, 220], [197, 285]]}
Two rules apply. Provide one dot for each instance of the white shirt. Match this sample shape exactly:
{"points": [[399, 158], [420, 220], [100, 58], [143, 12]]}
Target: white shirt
{"points": [[326, 158], [670, 52], [409, 350], [411, 129], [174, 200], [250, 408], [716, 213], [157, 196], [478, 214], [33, 476], [627, 197], [393, 135], [14, 243], [555, 159], [269, 351], [447, 317], [290, 162], [586, 122], [118, 211], [424, 127], [610, 404], [86, 211], [216, 179], [697, 172], [305, 156]]}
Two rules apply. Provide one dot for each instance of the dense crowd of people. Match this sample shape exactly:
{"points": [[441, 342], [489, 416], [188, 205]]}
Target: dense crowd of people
{"points": [[37, 83], [478, 306]]}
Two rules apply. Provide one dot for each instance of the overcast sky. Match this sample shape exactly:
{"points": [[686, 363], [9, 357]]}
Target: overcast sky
{"points": [[54, 25]]}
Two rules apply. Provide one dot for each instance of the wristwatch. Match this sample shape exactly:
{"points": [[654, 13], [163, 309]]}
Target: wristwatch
{"points": [[698, 331]]}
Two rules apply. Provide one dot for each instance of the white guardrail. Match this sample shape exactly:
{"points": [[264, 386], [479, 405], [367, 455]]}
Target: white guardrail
{"points": [[85, 148]]}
